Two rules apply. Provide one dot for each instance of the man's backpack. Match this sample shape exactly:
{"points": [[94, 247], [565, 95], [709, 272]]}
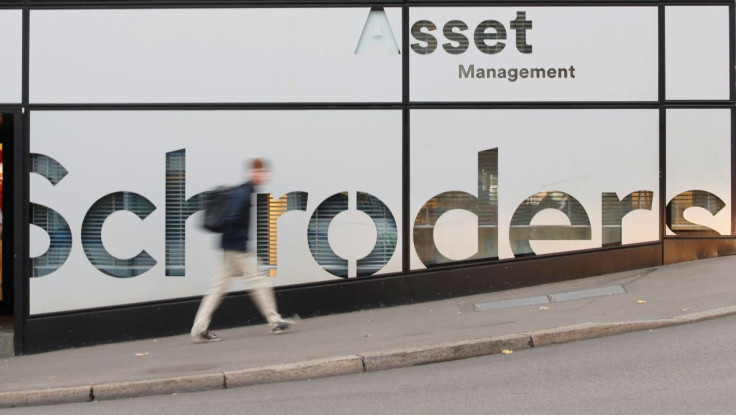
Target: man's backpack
{"points": [[215, 209]]}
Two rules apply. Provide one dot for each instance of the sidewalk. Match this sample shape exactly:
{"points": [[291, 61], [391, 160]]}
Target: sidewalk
{"points": [[379, 339]]}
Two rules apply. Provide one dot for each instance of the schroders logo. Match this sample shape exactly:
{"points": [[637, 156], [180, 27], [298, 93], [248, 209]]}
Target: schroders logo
{"points": [[485, 205]]}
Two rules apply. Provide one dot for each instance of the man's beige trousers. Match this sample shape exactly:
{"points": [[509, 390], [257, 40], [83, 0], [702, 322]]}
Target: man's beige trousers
{"points": [[237, 264]]}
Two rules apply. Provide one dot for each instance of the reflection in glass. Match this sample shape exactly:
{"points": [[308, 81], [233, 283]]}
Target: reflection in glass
{"points": [[692, 198], [317, 234], [92, 235], [522, 231], [485, 207], [60, 240], [386, 234], [60, 236], [47, 167], [268, 211], [614, 211], [178, 209]]}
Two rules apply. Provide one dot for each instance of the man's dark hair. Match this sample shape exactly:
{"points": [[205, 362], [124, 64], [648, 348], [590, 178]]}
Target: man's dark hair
{"points": [[257, 163]]}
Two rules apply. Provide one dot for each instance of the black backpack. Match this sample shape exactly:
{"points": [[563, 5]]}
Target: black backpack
{"points": [[215, 208]]}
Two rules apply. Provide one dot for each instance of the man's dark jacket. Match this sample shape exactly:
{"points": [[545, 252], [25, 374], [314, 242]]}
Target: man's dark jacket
{"points": [[237, 218]]}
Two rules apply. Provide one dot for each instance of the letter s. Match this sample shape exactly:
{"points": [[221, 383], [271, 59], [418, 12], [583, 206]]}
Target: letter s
{"points": [[60, 236], [416, 32]]}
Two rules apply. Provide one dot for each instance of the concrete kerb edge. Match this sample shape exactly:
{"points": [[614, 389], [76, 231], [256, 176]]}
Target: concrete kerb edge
{"points": [[587, 331], [164, 386], [343, 365], [38, 397], [443, 352], [311, 369], [708, 314]]}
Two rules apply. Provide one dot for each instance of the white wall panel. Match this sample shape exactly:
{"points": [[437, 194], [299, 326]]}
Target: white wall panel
{"points": [[613, 51], [697, 52], [209, 55], [11, 50]]}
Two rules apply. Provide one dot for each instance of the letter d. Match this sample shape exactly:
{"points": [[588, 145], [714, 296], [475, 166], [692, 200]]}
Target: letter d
{"points": [[485, 206]]}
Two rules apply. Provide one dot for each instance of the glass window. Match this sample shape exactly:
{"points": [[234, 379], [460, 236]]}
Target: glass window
{"points": [[698, 172]]}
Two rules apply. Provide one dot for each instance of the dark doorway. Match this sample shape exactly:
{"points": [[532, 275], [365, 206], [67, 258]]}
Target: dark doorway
{"points": [[6, 277]]}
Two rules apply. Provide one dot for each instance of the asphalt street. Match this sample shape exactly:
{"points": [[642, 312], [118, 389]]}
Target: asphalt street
{"points": [[689, 369], [379, 339]]}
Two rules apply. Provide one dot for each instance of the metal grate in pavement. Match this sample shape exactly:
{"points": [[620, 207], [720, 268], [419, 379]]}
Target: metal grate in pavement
{"points": [[551, 298]]}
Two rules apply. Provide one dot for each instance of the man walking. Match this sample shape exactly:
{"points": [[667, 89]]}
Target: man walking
{"points": [[238, 261]]}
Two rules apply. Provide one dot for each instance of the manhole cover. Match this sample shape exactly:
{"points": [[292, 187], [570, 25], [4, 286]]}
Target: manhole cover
{"points": [[181, 368]]}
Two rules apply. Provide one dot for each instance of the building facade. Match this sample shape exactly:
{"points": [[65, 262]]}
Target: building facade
{"points": [[420, 150]]}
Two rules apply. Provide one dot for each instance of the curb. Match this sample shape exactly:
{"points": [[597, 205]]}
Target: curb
{"points": [[708, 314], [414, 356], [38, 397], [343, 365], [587, 331], [313, 369], [150, 387]]}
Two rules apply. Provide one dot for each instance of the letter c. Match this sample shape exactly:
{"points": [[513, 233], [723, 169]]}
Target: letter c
{"points": [[92, 235]]}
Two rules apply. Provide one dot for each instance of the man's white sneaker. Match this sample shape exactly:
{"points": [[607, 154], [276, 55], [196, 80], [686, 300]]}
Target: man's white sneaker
{"points": [[206, 337], [285, 324]]}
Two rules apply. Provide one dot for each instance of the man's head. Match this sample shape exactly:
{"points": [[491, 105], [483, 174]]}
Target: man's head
{"points": [[258, 171]]}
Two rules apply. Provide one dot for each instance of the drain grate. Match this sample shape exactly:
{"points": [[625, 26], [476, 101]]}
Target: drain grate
{"points": [[551, 298]]}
